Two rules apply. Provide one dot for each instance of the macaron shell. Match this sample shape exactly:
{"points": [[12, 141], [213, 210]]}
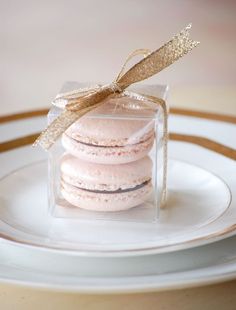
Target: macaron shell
{"points": [[103, 201], [108, 155], [110, 132], [103, 177], [124, 126]]}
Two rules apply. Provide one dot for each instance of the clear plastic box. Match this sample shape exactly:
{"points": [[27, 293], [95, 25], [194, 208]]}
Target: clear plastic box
{"points": [[109, 164]]}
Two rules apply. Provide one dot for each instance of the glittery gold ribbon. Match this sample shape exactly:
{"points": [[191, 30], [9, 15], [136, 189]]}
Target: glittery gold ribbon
{"points": [[82, 101]]}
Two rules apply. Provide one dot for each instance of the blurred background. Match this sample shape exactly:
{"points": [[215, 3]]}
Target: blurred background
{"points": [[44, 43]]}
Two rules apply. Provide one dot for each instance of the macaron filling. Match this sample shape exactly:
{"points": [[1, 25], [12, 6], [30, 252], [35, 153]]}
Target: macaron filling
{"points": [[107, 154], [108, 144], [118, 191], [135, 138], [106, 201]]}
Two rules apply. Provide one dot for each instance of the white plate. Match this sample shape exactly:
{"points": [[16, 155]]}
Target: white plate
{"points": [[52, 270], [59, 270], [199, 209], [198, 202]]}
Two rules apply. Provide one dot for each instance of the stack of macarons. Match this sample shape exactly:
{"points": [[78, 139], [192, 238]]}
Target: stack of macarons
{"points": [[106, 166]]}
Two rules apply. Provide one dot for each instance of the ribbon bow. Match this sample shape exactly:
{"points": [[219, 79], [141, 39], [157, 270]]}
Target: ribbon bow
{"points": [[82, 101]]}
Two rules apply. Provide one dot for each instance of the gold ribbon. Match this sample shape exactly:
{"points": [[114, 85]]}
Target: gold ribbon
{"points": [[82, 101]]}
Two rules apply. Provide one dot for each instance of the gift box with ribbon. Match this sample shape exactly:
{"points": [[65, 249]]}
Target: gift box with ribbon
{"points": [[108, 143]]}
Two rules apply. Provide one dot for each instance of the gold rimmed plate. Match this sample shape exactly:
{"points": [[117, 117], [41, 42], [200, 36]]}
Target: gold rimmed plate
{"points": [[30, 256], [201, 206], [200, 209]]}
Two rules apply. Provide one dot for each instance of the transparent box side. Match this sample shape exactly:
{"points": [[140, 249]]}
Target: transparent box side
{"points": [[145, 212]]}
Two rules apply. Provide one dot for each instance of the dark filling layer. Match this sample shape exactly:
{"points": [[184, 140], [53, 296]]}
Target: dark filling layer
{"points": [[118, 191], [104, 146]]}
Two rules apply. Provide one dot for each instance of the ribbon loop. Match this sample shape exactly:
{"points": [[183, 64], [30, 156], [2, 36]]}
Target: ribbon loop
{"points": [[143, 51]]}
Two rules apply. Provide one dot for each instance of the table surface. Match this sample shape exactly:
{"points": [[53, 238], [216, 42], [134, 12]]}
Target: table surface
{"points": [[46, 44]]}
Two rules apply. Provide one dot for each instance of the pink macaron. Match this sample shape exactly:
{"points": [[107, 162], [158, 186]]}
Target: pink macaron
{"points": [[102, 187], [124, 136]]}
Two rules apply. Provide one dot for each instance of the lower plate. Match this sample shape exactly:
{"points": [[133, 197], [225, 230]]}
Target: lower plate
{"points": [[53, 270]]}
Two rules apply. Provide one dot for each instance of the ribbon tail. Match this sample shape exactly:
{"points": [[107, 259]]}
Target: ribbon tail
{"points": [[50, 135], [158, 60], [75, 109]]}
